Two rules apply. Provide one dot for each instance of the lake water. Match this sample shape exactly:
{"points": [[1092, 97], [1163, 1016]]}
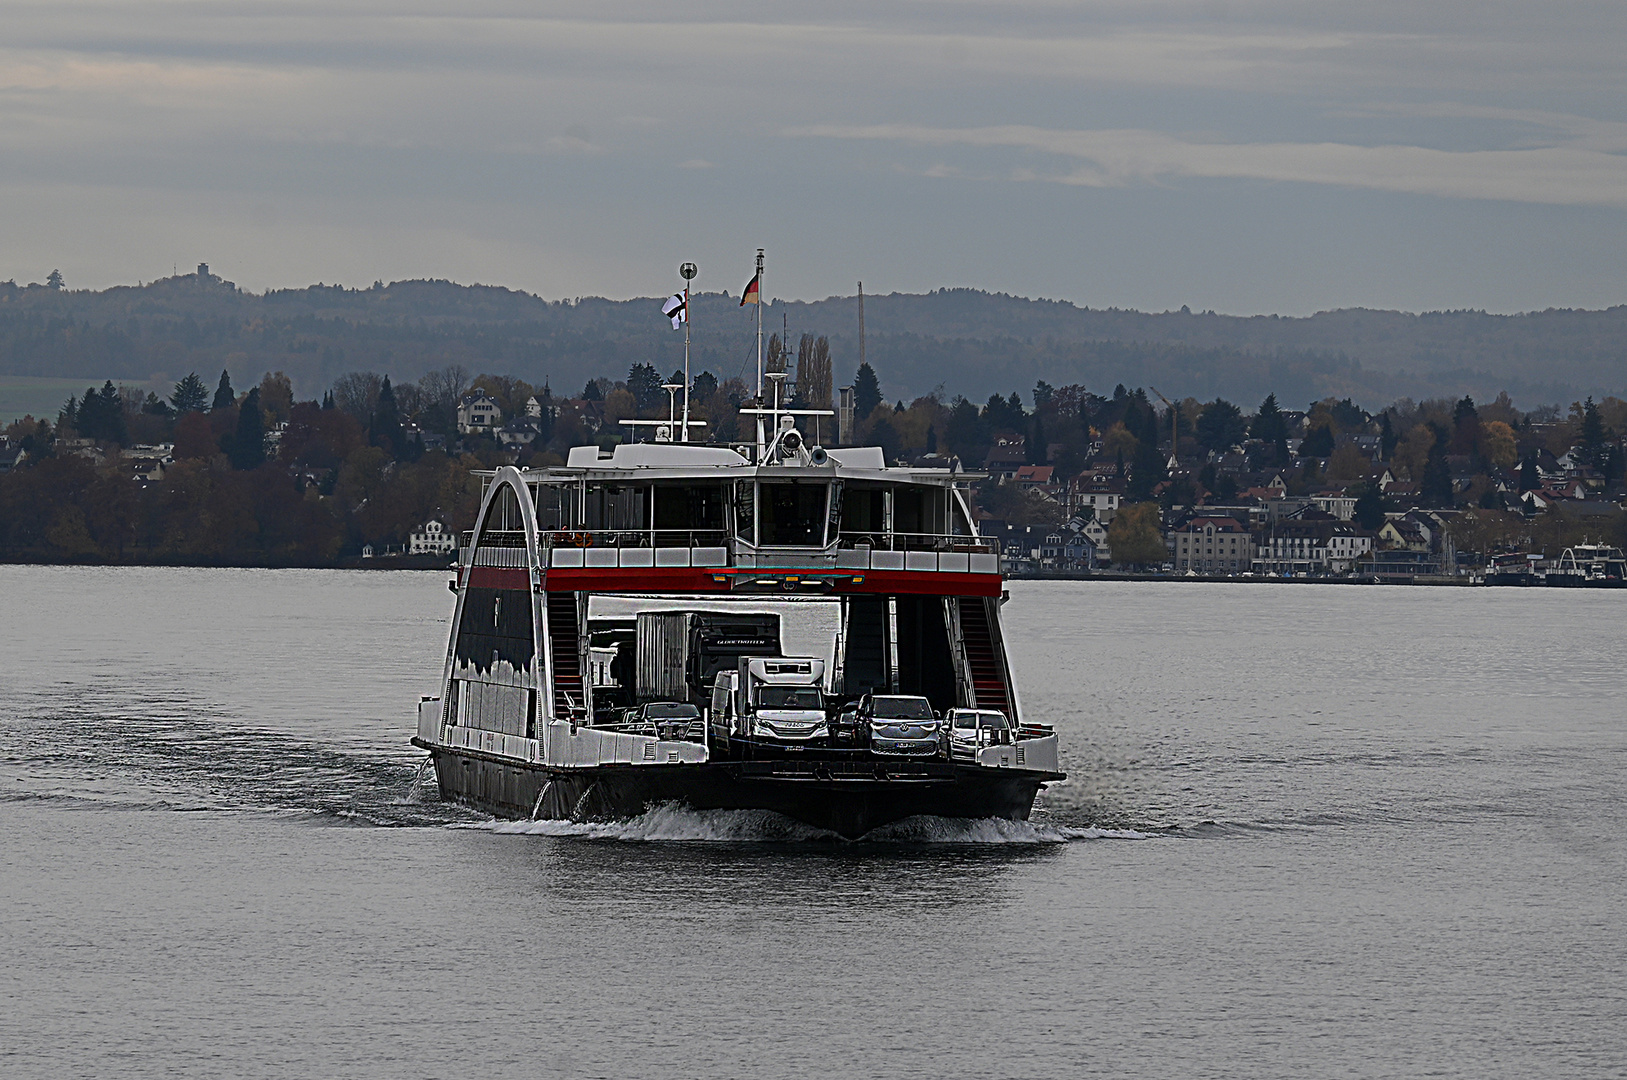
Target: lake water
{"points": [[1310, 832]]}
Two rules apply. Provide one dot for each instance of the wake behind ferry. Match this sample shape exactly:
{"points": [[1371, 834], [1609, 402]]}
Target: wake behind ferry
{"points": [[620, 641]]}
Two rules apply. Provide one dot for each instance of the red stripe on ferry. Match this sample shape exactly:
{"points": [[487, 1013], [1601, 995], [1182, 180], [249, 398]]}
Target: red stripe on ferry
{"points": [[499, 577]]}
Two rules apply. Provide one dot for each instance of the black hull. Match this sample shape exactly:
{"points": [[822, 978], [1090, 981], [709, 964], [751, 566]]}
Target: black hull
{"points": [[846, 798]]}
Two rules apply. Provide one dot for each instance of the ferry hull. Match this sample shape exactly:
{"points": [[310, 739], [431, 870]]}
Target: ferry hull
{"points": [[847, 798]]}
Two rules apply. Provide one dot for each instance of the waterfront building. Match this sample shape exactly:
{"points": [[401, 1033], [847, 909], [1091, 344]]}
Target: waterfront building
{"points": [[432, 538], [1211, 545]]}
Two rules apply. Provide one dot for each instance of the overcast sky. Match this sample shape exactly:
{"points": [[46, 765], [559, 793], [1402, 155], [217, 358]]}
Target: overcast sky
{"points": [[1272, 156]]}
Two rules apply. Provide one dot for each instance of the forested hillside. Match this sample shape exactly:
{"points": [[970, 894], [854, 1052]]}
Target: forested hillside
{"points": [[972, 343]]}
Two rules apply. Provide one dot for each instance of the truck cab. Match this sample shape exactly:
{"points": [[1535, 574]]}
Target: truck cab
{"points": [[771, 699]]}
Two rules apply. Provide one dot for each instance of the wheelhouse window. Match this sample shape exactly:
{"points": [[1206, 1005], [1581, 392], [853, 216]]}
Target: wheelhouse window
{"points": [[618, 507], [686, 513], [745, 511], [792, 514], [553, 506], [864, 511]]}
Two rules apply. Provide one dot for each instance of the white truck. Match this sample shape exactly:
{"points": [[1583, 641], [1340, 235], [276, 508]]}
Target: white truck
{"points": [[778, 699]]}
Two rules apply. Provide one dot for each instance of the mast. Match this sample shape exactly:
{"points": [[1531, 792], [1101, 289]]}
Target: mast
{"points": [[861, 324], [759, 324], [688, 271]]}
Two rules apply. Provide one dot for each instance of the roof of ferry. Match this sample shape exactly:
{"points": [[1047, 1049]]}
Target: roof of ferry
{"points": [[681, 456]]}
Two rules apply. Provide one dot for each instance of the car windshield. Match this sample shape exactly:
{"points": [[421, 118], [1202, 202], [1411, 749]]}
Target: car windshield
{"points": [[790, 697], [965, 719], [672, 711], [992, 721], [901, 708]]}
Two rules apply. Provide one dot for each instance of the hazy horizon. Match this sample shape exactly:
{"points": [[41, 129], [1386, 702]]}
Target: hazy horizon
{"points": [[869, 294]]}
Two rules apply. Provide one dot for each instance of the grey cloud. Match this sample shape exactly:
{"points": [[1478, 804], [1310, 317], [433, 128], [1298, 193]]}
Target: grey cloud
{"points": [[1564, 174]]}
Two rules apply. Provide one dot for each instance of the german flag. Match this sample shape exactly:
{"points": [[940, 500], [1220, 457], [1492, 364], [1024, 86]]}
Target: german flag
{"points": [[753, 293]]}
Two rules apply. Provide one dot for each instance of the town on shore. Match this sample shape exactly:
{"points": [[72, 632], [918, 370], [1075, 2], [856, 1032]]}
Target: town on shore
{"points": [[1069, 481]]}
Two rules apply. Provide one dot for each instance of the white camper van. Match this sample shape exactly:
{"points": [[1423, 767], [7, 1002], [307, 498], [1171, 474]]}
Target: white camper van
{"points": [[771, 699]]}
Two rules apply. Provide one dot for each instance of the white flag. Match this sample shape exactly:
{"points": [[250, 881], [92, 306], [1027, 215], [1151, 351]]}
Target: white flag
{"points": [[676, 310]]}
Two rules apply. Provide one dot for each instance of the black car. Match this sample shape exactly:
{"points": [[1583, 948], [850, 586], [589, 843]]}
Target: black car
{"points": [[845, 728]]}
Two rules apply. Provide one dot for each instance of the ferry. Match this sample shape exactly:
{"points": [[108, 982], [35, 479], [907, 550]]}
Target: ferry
{"points": [[633, 629]]}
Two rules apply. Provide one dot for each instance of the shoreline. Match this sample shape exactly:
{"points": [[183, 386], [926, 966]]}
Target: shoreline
{"points": [[420, 563]]}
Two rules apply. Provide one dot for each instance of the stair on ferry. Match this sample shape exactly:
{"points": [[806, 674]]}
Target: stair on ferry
{"points": [[563, 634], [982, 656]]}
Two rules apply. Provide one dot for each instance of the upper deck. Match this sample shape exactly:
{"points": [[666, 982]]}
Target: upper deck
{"points": [[688, 518]]}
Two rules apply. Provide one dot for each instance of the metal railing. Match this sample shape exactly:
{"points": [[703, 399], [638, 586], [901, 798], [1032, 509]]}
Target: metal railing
{"points": [[633, 538], [912, 541]]}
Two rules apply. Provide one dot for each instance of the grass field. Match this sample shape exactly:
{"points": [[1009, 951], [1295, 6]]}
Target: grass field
{"points": [[22, 395]]}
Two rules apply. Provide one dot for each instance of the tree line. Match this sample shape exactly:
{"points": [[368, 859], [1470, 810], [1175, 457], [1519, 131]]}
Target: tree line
{"points": [[260, 477]]}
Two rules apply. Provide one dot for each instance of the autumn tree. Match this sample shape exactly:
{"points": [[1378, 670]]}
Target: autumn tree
{"points": [[814, 372], [276, 397], [1134, 536], [1347, 465], [1498, 443], [357, 393]]}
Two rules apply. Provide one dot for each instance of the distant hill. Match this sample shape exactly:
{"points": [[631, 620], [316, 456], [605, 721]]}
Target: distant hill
{"points": [[966, 341]]}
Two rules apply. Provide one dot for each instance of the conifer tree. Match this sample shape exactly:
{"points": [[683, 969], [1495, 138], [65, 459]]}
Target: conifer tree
{"points": [[190, 394], [1037, 445], [1592, 432], [225, 397], [1530, 478], [248, 450], [1437, 489], [866, 391], [385, 429], [1369, 509]]}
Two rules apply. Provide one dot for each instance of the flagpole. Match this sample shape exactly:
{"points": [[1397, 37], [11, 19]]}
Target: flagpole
{"points": [[688, 271], [686, 362], [759, 326]]}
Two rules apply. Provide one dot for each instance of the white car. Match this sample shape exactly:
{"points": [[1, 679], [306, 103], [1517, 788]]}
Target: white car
{"points": [[970, 730]]}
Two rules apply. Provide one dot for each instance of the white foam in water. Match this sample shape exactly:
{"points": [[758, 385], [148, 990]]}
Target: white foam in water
{"points": [[673, 822], [1105, 834]]}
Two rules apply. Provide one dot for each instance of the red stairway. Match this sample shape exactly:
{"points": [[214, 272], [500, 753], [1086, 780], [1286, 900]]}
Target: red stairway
{"points": [[982, 656], [562, 645]]}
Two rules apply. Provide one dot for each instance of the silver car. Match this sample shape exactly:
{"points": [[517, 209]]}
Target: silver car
{"points": [[901, 724], [970, 730]]}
